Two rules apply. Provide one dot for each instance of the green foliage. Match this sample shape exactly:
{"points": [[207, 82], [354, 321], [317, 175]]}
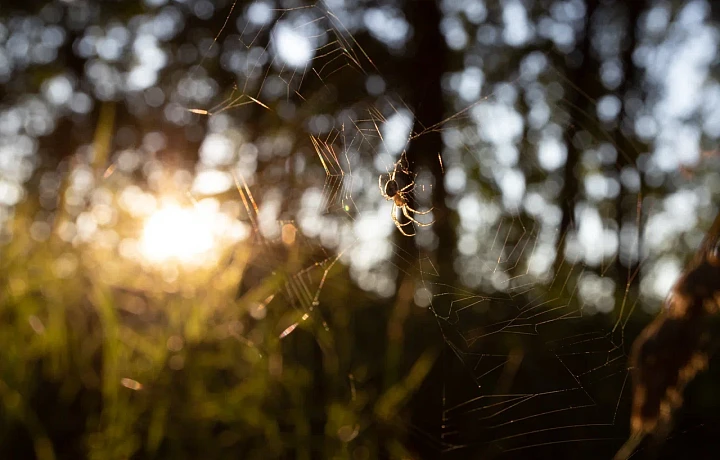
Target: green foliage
{"points": [[137, 366]]}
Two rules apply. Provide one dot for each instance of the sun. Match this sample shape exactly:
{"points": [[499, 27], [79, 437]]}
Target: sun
{"points": [[179, 234]]}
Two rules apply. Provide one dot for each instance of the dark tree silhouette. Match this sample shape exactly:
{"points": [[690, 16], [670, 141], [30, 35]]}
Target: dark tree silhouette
{"points": [[678, 344]]}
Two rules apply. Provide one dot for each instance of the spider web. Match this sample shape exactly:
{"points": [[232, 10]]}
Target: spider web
{"points": [[505, 342], [264, 72], [249, 47], [301, 288], [507, 336], [505, 324]]}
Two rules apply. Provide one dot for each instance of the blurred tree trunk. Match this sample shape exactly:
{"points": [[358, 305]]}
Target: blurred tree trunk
{"points": [[585, 77], [422, 78], [627, 211]]}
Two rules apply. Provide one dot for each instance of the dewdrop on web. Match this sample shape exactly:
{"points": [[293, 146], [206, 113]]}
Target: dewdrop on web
{"points": [[289, 330]]}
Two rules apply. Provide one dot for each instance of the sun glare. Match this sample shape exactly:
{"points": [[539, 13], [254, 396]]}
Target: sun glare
{"points": [[174, 233]]}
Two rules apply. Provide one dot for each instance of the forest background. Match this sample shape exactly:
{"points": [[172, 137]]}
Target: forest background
{"points": [[196, 260]]}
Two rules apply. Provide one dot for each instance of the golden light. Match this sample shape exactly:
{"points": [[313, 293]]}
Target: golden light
{"points": [[181, 234]]}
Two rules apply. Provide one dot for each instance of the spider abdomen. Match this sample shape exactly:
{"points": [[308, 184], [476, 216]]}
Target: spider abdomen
{"points": [[391, 188]]}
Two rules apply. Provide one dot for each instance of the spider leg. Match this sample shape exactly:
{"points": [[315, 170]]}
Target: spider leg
{"points": [[398, 224], [382, 192], [412, 219], [404, 232], [406, 187], [420, 213], [403, 162], [423, 224]]}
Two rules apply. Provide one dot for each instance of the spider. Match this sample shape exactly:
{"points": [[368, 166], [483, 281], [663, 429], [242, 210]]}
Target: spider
{"points": [[392, 192]]}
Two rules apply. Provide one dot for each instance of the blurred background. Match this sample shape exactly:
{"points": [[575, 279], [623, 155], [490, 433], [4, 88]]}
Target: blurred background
{"points": [[197, 259]]}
